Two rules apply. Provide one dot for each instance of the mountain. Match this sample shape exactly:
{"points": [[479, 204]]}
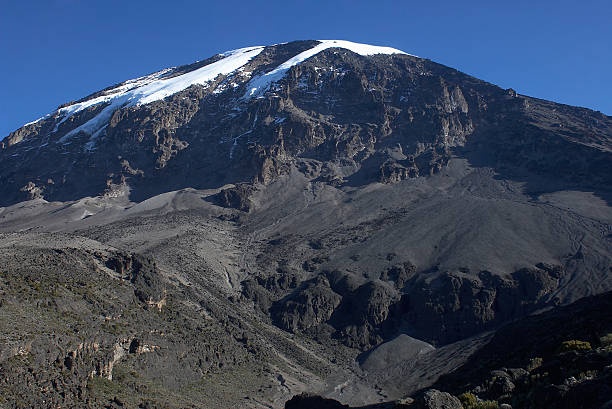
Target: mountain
{"points": [[318, 216], [366, 113]]}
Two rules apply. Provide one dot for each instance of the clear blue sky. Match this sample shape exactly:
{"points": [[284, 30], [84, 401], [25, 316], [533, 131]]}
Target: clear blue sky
{"points": [[54, 51]]}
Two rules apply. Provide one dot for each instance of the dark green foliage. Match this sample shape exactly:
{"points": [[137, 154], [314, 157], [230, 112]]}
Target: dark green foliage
{"points": [[575, 345], [471, 401]]}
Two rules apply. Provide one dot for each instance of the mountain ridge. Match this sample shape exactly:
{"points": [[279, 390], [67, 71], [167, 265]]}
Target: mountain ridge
{"points": [[163, 127]]}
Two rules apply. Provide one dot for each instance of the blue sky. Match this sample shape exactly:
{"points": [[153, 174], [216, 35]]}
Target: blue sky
{"points": [[55, 51]]}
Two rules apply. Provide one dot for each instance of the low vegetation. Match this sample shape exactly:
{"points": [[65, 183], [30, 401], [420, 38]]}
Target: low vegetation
{"points": [[575, 345], [471, 401]]}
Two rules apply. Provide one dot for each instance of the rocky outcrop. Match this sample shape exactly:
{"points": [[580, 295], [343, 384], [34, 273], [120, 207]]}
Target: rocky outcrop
{"points": [[399, 274], [32, 191], [143, 274], [309, 306], [362, 316], [435, 399], [358, 313], [455, 305], [441, 309], [237, 197]]}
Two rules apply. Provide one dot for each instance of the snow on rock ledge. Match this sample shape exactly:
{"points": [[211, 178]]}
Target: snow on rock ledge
{"points": [[157, 86], [152, 88], [257, 86]]}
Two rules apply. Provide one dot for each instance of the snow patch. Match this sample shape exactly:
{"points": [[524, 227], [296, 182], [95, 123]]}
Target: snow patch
{"points": [[91, 144], [152, 88], [257, 86], [233, 147], [38, 120]]}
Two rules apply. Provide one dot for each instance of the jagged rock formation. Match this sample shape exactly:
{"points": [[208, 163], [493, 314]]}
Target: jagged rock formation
{"points": [[441, 308]]}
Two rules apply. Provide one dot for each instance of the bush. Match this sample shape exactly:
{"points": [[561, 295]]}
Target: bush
{"points": [[486, 404], [534, 363], [606, 340], [574, 345], [470, 401]]}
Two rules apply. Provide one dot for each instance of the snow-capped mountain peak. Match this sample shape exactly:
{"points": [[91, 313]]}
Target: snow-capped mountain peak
{"points": [[159, 85]]}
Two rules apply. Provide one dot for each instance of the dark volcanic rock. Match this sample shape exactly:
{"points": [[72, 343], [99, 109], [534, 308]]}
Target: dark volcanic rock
{"points": [[237, 197], [387, 117], [434, 399], [453, 306], [361, 315], [441, 309], [311, 305], [143, 274], [399, 274]]}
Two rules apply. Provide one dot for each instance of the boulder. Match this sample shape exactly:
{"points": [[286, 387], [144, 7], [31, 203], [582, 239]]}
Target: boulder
{"points": [[435, 399]]}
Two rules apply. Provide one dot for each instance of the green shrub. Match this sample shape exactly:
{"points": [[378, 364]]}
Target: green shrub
{"points": [[534, 363], [470, 401], [486, 404], [574, 345]]}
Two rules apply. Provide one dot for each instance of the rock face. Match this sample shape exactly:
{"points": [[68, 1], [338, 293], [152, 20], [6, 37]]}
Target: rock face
{"points": [[143, 274], [442, 308], [362, 118], [237, 197], [311, 305], [459, 305]]}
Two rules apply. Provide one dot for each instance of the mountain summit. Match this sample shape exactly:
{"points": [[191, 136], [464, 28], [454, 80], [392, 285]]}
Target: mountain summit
{"points": [[363, 113]]}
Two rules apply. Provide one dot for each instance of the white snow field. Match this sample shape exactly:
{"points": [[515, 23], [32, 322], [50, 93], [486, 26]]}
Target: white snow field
{"points": [[152, 88]]}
